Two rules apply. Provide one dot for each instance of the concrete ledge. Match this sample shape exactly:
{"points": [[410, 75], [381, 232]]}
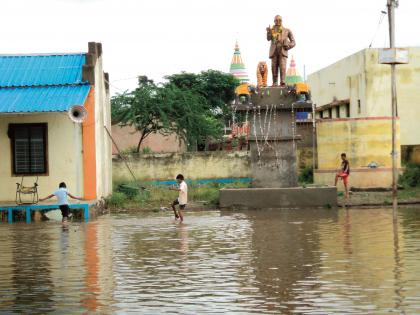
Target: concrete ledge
{"points": [[88, 208], [359, 177], [296, 197]]}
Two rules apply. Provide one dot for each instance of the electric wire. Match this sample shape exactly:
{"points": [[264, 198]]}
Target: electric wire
{"points": [[381, 18]]}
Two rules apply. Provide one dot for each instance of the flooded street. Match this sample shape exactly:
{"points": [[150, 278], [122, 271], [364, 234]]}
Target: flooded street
{"points": [[268, 261]]}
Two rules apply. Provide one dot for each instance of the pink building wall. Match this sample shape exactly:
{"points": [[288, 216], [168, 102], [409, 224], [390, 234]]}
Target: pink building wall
{"points": [[127, 137]]}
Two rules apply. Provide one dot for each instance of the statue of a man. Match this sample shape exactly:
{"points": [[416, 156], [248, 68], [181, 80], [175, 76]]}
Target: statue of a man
{"points": [[281, 41]]}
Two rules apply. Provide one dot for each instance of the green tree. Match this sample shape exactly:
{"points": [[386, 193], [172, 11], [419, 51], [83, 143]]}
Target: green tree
{"points": [[166, 109], [141, 109], [218, 88], [190, 119]]}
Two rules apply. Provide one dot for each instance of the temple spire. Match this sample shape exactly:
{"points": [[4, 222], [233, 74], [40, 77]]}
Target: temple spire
{"points": [[292, 74], [237, 66]]}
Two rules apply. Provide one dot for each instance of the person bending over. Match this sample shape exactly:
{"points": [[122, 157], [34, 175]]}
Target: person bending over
{"points": [[63, 203]]}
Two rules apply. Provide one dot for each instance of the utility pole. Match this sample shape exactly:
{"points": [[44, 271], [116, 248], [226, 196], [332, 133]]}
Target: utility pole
{"points": [[392, 4]]}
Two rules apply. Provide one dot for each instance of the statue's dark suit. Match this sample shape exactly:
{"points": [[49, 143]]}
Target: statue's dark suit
{"points": [[279, 53]]}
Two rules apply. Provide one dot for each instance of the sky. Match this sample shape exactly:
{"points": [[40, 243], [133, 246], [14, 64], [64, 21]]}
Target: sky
{"points": [[162, 37]]}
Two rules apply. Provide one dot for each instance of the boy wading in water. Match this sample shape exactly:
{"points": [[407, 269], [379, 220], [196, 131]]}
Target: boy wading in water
{"points": [[61, 195], [344, 173], [182, 197]]}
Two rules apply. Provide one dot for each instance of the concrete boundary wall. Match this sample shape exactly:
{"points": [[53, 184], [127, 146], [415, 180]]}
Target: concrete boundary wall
{"points": [[295, 197], [193, 165]]}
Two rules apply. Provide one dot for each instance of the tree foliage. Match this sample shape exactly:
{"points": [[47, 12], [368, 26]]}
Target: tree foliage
{"points": [[190, 105], [191, 122], [411, 175], [216, 87], [141, 109]]}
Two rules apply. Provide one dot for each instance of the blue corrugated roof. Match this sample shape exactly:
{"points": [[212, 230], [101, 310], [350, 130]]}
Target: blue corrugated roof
{"points": [[30, 70], [42, 99], [41, 83]]}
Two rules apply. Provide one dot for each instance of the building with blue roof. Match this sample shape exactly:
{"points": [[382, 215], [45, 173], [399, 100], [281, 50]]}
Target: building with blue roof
{"points": [[41, 138]]}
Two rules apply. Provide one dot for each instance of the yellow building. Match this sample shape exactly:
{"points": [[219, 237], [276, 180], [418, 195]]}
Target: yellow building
{"points": [[39, 142], [353, 104]]}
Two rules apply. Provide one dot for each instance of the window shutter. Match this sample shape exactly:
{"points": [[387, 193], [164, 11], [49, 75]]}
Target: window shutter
{"points": [[37, 148], [22, 156], [22, 161], [29, 148]]}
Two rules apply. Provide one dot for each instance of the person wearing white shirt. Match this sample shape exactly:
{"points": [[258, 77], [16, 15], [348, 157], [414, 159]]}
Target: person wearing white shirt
{"points": [[63, 203], [182, 197]]}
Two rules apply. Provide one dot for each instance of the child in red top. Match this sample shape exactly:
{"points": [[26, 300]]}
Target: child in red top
{"points": [[344, 173]]}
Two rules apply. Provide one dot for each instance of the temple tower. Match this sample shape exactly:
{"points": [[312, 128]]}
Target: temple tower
{"points": [[237, 66]]}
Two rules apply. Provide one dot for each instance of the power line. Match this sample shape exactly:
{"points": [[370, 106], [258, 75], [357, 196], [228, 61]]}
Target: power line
{"points": [[381, 18], [125, 79], [115, 87]]}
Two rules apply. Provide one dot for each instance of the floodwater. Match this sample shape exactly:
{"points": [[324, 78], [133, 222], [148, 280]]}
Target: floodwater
{"points": [[268, 261]]}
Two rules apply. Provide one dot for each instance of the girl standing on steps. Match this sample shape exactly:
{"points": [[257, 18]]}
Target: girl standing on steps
{"points": [[344, 173]]}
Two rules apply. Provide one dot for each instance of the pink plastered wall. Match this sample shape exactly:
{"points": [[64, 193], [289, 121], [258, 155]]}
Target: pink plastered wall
{"points": [[127, 137]]}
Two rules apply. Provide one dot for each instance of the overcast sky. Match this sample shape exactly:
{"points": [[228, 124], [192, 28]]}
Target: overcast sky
{"points": [[161, 37]]}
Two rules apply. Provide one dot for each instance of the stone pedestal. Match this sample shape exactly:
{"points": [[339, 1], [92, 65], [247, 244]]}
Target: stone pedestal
{"points": [[276, 165], [273, 137]]}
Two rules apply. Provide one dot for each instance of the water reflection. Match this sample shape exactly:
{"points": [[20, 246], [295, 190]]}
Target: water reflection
{"points": [[89, 299], [280, 262], [45, 268], [194, 267], [361, 266], [31, 269], [288, 251]]}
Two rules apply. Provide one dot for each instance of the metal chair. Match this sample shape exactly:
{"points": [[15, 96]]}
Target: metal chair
{"points": [[27, 190]]}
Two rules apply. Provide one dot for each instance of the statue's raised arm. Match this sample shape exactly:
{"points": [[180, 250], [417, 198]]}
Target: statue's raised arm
{"points": [[268, 29]]}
